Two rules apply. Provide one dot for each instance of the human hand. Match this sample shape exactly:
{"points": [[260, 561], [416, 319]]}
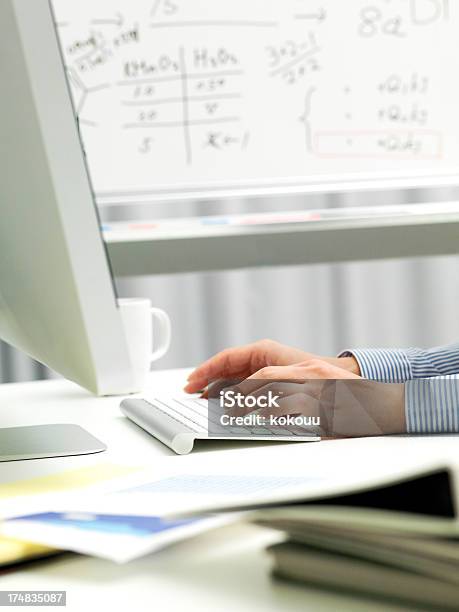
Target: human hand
{"points": [[244, 361], [345, 404]]}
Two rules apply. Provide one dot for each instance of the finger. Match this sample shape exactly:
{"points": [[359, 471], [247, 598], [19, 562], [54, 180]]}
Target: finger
{"points": [[253, 394], [249, 386], [296, 404], [231, 363], [274, 379], [246, 402], [282, 389], [255, 386], [202, 385], [214, 388]]}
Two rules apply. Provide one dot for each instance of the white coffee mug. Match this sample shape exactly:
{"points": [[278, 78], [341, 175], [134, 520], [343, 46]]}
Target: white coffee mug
{"points": [[146, 342]]}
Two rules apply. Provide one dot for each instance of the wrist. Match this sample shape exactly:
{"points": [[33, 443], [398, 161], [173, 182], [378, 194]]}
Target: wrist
{"points": [[392, 406], [350, 364]]}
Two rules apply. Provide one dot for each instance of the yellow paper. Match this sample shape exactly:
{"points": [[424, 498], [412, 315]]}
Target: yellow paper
{"points": [[14, 551], [64, 481]]}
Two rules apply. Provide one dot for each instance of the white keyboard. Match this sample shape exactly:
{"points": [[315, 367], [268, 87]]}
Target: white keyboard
{"points": [[179, 421]]}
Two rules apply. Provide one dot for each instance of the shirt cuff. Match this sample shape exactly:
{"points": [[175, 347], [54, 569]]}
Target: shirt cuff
{"points": [[382, 365], [432, 405]]}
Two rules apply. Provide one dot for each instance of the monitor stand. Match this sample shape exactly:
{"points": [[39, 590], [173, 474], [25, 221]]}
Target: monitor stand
{"points": [[42, 441]]}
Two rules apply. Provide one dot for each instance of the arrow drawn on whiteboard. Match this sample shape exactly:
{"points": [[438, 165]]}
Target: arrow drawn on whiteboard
{"points": [[118, 20], [320, 16]]}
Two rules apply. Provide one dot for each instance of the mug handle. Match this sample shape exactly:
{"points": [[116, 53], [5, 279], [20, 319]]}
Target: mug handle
{"points": [[164, 334]]}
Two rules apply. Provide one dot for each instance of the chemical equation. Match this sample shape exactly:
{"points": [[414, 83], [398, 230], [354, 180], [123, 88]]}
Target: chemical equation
{"points": [[372, 144], [188, 86], [195, 90], [96, 49], [398, 114], [397, 84], [405, 100], [400, 110]]}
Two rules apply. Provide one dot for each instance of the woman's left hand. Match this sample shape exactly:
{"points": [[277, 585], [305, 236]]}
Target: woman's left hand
{"points": [[346, 404]]}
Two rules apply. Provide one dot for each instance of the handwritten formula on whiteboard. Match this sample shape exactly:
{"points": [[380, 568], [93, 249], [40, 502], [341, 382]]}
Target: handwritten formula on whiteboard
{"points": [[178, 95]]}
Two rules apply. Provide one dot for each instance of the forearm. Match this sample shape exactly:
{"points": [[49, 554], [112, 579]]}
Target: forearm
{"points": [[421, 406], [368, 408]]}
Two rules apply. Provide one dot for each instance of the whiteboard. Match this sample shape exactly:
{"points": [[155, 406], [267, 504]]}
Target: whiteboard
{"points": [[184, 97]]}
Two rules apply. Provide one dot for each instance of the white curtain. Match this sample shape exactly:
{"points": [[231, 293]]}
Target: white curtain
{"points": [[322, 308]]}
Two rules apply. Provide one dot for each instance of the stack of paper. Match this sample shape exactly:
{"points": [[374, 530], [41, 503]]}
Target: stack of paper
{"points": [[397, 530], [351, 572], [350, 544], [116, 537], [110, 511], [43, 492], [14, 551]]}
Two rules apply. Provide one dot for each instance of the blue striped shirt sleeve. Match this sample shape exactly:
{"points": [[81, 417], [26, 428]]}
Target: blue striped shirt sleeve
{"points": [[402, 365], [432, 405]]}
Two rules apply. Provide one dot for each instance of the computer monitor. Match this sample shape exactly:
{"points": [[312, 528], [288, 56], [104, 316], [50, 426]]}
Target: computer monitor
{"points": [[57, 298]]}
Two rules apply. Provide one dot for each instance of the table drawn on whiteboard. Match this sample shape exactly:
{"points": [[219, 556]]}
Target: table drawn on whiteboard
{"points": [[173, 94]]}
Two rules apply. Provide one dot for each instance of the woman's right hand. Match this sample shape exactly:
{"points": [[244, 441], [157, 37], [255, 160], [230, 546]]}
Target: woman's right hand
{"points": [[244, 361]]}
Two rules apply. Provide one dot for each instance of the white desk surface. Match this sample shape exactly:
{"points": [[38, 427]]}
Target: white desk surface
{"points": [[223, 570]]}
